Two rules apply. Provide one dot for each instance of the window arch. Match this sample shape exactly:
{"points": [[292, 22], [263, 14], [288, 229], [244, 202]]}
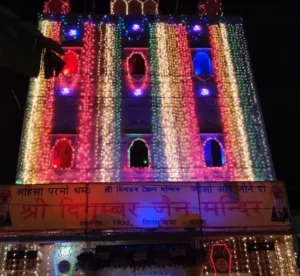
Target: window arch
{"points": [[119, 7], [150, 7], [71, 66], [57, 6], [214, 153], [202, 64], [136, 64], [62, 154], [134, 7], [139, 156]]}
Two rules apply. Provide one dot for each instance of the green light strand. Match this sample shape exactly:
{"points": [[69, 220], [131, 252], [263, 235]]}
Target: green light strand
{"points": [[253, 121], [117, 99]]}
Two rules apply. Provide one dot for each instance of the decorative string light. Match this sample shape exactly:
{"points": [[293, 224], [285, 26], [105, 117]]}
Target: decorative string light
{"points": [[192, 129], [84, 156], [57, 6], [159, 159], [33, 121], [110, 117], [232, 116], [167, 115], [256, 135], [47, 121], [133, 83], [224, 245]]}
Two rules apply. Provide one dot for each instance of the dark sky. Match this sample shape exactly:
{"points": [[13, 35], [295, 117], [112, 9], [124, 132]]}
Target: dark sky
{"points": [[271, 30]]}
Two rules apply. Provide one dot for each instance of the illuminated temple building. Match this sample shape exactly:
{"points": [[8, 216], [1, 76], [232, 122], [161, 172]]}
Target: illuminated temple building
{"points": [[147, 154]]}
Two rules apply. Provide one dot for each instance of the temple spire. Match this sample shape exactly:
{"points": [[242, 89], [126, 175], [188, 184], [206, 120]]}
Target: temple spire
{"points": [[57, 6], [210, 7]]}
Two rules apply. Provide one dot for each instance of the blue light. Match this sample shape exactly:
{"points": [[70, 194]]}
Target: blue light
{"points": [[65, 91], [138, 92], [72, 32], [136, 27], [205, 92], [202, 64]]}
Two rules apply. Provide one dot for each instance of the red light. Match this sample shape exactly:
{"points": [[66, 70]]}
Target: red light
{"points": [[72, 64]]}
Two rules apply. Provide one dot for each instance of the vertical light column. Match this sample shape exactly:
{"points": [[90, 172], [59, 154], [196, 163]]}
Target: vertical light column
{"points": [[159, 159], [167, 117], [100, 59], [45, 152], [253, 121], [33, 121], [196, 157], [236, 143], [110, 116], [177, 102], [84, 156]]}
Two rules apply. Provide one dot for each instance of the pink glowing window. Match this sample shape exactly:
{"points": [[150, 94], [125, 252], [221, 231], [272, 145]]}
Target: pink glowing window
{"points": [[62, 155], [137, 65]]}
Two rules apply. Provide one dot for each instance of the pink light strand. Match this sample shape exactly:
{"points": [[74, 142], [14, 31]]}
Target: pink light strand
{"points": [[196, 152], [84, 160], [45, 152], [226, 116]]}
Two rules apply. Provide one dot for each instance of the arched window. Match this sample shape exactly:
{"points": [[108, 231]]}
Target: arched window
{"points": [[57, 6], [134, 7], [136, 65], [202, 64], [71, 64], [119, 7], [213, 154], [150, 7], [62, 154], [138, 154]]}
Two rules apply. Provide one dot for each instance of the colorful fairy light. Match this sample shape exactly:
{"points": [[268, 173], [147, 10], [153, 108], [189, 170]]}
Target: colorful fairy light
{"points": [[220, 245], [144, 58], [256, 135], [110, 116], [57, 6], [192, 129], [176, 131], [84, 155], [236, 144], [35, 128]]}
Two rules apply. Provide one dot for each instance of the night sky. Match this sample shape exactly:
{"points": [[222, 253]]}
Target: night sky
{"points": [[271, 31]]}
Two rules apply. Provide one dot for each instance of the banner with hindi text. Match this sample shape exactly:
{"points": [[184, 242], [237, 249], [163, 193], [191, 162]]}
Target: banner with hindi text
{"points": [[148, 205]]}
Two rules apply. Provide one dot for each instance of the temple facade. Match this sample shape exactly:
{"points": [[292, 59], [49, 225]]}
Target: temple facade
{"points": [[147, 154]]}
